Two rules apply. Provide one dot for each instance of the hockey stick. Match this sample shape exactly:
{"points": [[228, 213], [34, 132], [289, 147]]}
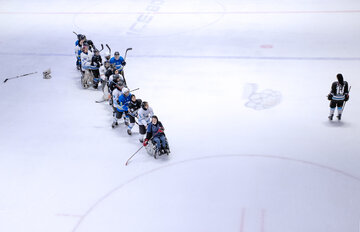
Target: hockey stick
{"points": [[75, 33], [99, 101], [102, 48], [346, 101], [129, 49], [18, 76], [134, 89], [127, 162], [103, 100], [108, 48]]}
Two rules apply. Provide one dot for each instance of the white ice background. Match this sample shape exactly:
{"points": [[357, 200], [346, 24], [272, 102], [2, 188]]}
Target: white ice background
{"points": [[282, 167]]}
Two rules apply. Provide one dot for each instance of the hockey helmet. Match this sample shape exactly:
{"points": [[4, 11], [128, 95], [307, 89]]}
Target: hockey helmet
{"points": [[90, 42], [81, 37], [125, 90]]}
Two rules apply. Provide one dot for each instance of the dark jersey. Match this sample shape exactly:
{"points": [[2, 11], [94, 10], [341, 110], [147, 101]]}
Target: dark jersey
{"points": [[134, 106], [96, 61], [108, 73], [338, 91]]}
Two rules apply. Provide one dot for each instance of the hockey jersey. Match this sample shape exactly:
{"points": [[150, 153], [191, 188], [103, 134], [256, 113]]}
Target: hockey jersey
{"points": [[118, 63], [338, 91], [86, 60], [145, 116]]}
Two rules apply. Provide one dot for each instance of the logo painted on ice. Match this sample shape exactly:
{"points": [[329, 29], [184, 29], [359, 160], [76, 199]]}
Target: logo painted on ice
{"points": [[156, 18], [145, 18], [261, 100]]}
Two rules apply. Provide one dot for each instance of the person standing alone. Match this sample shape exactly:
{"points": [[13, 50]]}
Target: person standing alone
{"points": [[338, 95]]}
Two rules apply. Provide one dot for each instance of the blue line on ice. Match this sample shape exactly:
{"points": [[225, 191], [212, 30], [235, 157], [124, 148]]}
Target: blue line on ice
{"points": [[200, 56]]}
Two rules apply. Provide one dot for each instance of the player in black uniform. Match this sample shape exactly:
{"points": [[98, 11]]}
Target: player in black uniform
{"points": [[338, 94], [134, 106], [97, 62]]}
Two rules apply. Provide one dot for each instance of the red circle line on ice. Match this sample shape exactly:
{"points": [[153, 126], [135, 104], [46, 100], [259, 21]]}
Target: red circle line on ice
{"points": [[309, 163]]}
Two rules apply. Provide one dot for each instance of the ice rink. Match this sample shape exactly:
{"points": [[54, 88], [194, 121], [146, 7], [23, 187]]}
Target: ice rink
{"points": [[240, 87]]}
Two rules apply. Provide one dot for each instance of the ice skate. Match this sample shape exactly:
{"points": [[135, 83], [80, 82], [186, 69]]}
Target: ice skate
{"points": [[331, 117], [339, 117], [114, 124]]}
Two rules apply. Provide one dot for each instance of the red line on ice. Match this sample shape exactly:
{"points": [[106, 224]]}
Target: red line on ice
{"points": [[242, 220], [107, 195], [263, 212]]}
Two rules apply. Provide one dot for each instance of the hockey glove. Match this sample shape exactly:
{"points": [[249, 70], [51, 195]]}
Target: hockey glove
{"points": [[347, 97], [330, 96], [145, 143], [160, 130], [123, 63]]}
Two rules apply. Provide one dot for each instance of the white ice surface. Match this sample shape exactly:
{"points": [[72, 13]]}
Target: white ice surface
{"points": [[232, 168]]}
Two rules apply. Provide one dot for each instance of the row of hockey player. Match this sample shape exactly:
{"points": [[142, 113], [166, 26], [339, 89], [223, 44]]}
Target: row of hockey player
{"points": [[125, 105], [339, 94], [90, 62]]}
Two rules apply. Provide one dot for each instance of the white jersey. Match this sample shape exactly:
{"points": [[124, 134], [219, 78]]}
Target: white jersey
{"points": [[115, 96], [86, 60], [145, 116], [102, 72]]}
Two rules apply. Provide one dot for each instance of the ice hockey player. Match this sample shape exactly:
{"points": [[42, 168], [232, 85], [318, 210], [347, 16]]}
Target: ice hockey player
{"points": [[86, 57], [114, 75], [145, 113], [104, 79], [121, 104], [91, 45], [109, 71], [107, 56], [155, 131], [115, 81], [118, 62], [79, 38], [78, 47], [103, 69], [96, 61], [338, 94], [115, 98], [134, 106]]}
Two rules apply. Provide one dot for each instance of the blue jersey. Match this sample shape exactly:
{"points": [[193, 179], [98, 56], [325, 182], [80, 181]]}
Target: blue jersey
{"points": [[124, 102], [77, 43], [79, 55], [117, 63]]}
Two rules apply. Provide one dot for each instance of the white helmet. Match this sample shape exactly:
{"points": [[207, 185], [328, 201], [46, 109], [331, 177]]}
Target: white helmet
{"points": [[125, 90]]}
